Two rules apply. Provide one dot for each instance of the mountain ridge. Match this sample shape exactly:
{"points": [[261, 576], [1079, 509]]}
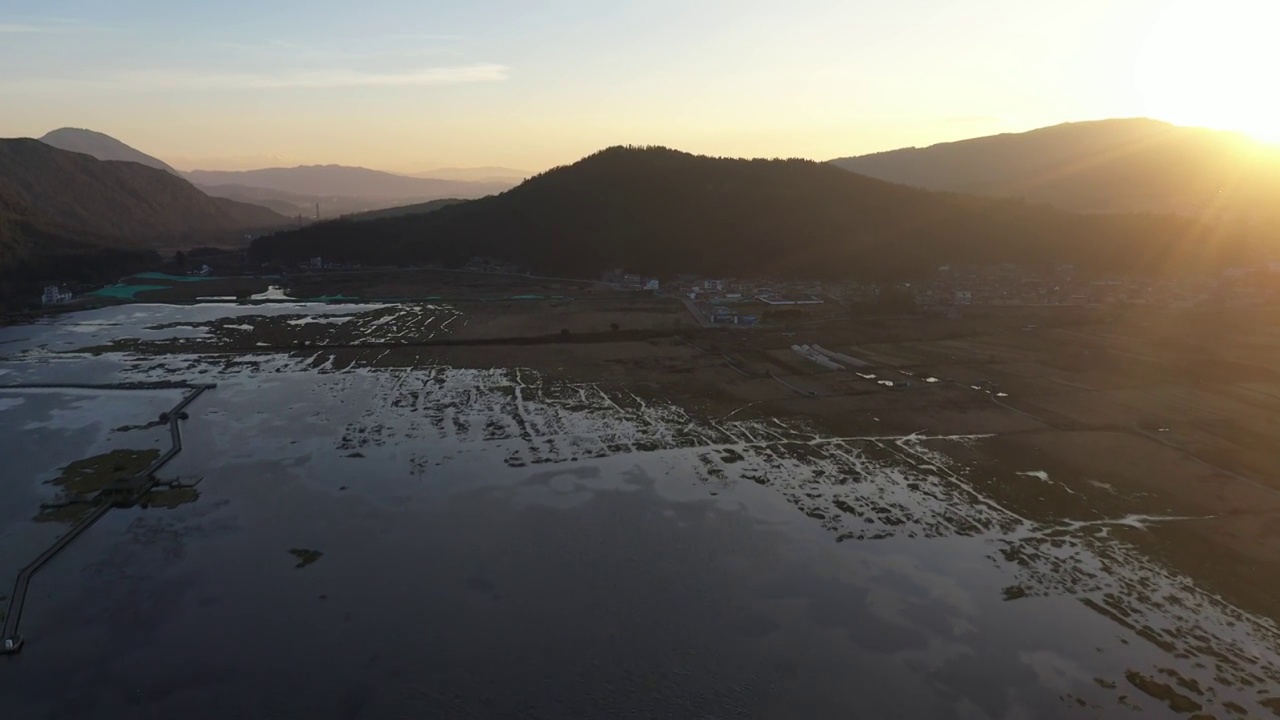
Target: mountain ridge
{"points": [[661, 211], [1119, 165], [101, 146]]}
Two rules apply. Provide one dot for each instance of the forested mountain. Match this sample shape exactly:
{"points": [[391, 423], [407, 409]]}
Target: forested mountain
{"points": [[100, 146], [61, 212], [661, 211], [1132, 165]]}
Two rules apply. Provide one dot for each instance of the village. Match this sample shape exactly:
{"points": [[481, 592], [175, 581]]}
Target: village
{"points": [[747, 303]]}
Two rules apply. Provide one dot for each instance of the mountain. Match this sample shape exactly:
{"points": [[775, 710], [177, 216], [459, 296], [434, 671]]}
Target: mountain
{"points": [[476, 174], [102, 147], [343, 181], [665, 212], [1133, 165], [67, 205]]}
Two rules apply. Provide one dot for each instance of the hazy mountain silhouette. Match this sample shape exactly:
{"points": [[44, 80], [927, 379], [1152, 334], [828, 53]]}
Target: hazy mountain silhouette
{"points": [[62, 203], [661, 211], [100, 146], [1104, 166], [476, 174], [297, 204], [343, 181]]}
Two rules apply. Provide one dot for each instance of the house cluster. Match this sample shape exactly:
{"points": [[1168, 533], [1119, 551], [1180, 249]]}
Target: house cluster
{"points": [[318, 263], [631, 281], [719, 291], [55, 295]]}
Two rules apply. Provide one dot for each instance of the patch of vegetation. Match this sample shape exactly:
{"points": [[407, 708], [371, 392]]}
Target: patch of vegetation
{"points": [[305, 556], [170, 498], [1015, 592], [80, 482]]}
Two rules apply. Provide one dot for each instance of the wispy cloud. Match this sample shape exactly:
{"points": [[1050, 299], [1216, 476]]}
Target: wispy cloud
{"points": [[51, 27], [174, 80], [16, 29]]}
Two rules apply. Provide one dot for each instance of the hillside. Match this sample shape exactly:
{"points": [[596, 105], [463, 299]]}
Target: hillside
{"points": [[1133, 165], [121, 199], [34, 249], [400, 210], [100, 146], [66, 215], [661, 211], [342, 181]]}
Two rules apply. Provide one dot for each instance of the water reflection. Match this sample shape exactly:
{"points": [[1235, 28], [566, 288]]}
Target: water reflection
{"points": [[460, 542]]}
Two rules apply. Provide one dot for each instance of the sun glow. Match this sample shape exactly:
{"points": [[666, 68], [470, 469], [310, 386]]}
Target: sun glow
{"points": [[1215, 63]]}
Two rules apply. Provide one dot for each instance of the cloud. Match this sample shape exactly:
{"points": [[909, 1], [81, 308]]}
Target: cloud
{"points": [[166, 80]]}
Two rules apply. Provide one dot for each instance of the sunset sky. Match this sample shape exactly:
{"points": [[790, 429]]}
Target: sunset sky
{"points": [[408, 85]]}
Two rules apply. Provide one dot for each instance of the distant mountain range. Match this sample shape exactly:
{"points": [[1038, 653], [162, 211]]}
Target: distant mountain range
{"points": [[1132, 165], [102, 147], [58, 208], [660, 211], [340, 180], [297, 191]]}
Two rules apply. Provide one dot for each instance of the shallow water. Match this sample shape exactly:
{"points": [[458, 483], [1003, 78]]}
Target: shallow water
{"points": [[498, 543]]}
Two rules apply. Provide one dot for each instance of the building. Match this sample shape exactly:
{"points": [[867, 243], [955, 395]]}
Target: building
{"points": [[651, 284], [54, 295], [713, 285]]}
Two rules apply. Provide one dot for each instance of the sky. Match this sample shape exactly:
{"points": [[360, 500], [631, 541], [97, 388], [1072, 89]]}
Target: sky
{"points": [[411, 85]]}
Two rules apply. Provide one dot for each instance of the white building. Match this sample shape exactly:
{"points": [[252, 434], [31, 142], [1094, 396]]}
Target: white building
{"points": [[54, 295], [651, 284], [713, 285]]}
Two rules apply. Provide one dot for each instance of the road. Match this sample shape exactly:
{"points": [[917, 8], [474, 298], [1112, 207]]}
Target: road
{"points": [[703, 320]]}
